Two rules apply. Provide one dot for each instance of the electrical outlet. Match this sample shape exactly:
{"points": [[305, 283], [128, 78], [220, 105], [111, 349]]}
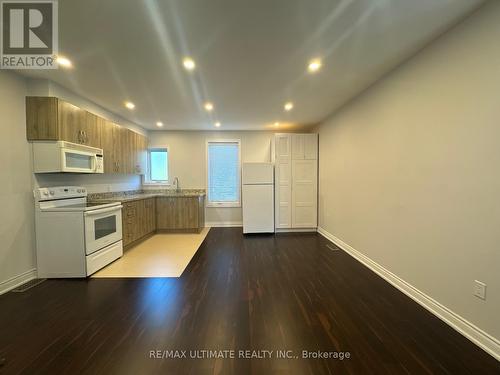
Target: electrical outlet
{"points": [[479, 289]]}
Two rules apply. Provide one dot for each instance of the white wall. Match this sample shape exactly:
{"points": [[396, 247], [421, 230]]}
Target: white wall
{"points": [[409, 171], [187, 160], [16, 198]]}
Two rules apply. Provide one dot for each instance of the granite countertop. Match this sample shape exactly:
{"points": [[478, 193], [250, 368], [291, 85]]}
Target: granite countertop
{"points": [[128, 196]]}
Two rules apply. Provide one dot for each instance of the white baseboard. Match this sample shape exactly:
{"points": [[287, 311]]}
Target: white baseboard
{"points": [[296, 230], [15, 281], [224, 224], [485, 341]]}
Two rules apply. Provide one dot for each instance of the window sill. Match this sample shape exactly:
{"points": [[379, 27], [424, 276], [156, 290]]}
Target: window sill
{"points": [[223, 205]]}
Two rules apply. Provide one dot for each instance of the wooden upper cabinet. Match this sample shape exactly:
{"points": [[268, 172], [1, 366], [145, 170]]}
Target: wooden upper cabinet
{"points": [[110, 145], [133, 147], [91, 131], [132, 151], [141, 160], [121, 149], [52, 119], [71, 122], [124, 149], [41, 119]]}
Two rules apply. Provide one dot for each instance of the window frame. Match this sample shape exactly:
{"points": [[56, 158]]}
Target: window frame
{"points": [[210, 203], [147, 176]]}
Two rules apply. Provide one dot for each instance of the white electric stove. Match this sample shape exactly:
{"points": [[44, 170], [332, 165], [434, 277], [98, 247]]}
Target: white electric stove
{"points": [[75, 238]]}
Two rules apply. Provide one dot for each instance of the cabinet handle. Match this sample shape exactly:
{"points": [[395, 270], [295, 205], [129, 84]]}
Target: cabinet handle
{"points": [[79, 136], [85, 137]]}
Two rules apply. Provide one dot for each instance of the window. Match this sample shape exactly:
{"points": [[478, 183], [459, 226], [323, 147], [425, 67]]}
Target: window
{"points": [[158, 166], [223, 173]]}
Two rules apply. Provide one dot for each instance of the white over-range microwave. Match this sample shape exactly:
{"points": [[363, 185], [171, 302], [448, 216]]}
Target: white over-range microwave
{"points": [[61, 156]]}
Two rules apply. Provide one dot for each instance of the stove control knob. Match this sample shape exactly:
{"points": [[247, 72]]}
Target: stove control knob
{"points": [[46, 193], [51, 192]]}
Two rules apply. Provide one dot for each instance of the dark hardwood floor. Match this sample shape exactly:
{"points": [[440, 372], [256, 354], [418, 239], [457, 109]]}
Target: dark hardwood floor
{"points": [[284, 292]]}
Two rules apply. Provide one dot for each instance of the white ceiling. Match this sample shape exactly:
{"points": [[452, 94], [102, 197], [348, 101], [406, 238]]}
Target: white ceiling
{"points": [[251, 55]]}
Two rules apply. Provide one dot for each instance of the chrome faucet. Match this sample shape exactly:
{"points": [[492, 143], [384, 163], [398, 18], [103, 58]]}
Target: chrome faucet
{"points": [[176, 184]]}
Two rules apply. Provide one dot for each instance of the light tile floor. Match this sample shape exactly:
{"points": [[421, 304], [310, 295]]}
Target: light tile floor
{"points": [[162, 255]]}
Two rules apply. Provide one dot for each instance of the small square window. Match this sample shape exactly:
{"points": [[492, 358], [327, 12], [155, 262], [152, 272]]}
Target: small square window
{"points": [[158, 165]]}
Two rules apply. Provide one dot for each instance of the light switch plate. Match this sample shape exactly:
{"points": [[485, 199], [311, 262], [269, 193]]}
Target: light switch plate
{"points": [[479, 289]]}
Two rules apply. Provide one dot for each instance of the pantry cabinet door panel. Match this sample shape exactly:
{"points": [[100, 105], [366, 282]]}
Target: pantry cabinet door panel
{"points": [[310, 146], [283, 195], [282, 148], [297, 146], [304, 194]]}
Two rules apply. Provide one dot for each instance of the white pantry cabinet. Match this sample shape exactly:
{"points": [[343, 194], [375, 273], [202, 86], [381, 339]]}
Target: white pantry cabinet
{"points": [[283, 181], [296, 181]]}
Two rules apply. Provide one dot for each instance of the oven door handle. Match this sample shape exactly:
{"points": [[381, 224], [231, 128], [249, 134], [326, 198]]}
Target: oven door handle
{"points": [[103, 210]]}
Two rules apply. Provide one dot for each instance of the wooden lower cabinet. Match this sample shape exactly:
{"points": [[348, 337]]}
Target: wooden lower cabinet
{"points": [[149, 215], [138, 220], [142, 217], [180, 213]]}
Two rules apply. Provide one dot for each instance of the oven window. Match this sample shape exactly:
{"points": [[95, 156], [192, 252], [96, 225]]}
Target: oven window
{"points": [[74, 160], [105, 226]]}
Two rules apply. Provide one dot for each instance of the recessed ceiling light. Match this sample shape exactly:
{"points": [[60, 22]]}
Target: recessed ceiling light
{"points": [[209, 106], [64, 62], [288, 106], [217, 124], [188, 63], [314, 65], [129, 105], [276, 124], [159, 124]]}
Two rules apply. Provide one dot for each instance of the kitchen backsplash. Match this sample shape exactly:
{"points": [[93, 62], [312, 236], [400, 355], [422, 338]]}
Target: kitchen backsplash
{"points": [[94, 183]]}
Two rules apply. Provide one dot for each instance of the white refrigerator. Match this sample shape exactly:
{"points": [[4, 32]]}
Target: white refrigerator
{"points": [[258, 197]]}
